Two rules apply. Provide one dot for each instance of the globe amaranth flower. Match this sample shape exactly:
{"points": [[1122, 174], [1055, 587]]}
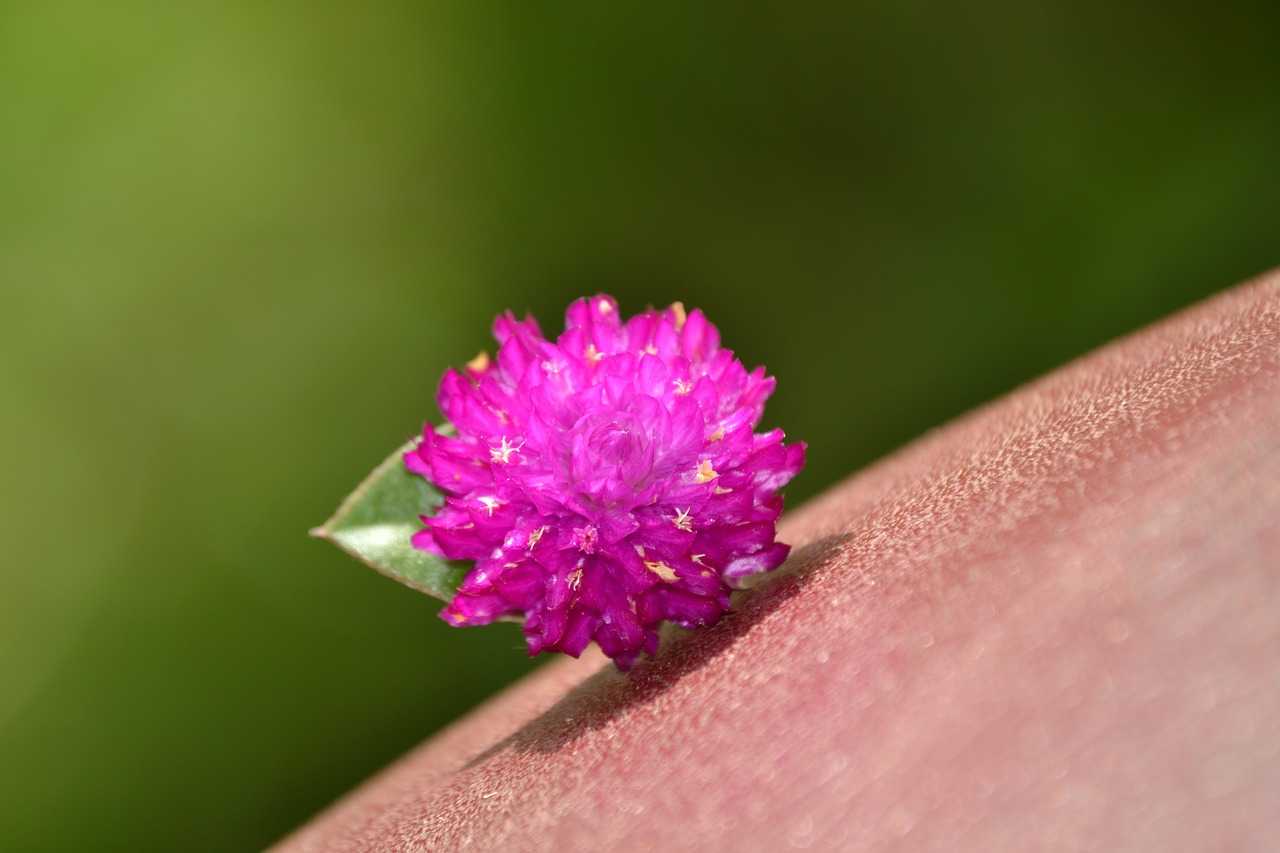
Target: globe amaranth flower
{"points": [[606, 481]]}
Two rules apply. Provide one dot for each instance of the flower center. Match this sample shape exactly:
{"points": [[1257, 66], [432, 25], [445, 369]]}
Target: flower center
{"points": [[610, 448]]}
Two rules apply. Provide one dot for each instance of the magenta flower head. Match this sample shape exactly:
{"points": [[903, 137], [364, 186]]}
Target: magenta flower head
{"points": [[606, 481]]}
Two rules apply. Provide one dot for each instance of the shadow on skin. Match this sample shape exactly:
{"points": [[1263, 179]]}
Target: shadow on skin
{"points": [[609, 693]]}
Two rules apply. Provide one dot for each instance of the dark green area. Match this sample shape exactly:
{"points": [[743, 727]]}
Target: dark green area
{"points": [[240, 241]]}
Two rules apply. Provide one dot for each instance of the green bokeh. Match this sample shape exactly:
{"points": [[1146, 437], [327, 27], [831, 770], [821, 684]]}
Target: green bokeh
{"points": [[240, 241]]}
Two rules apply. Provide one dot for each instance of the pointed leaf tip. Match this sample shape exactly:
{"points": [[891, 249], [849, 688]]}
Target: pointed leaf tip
{"points": [[376, 523]]}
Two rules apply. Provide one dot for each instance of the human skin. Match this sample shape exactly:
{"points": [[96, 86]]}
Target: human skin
{"points": [[1053, 624]]}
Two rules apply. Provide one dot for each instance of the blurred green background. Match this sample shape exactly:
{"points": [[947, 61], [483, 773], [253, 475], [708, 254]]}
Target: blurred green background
{"points": [[240, 241]]}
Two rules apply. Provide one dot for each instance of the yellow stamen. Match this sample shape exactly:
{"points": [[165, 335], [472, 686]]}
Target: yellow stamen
{"points": [[682, 520], [662, 570], [480, 363], [503, 452], [705, 473]]}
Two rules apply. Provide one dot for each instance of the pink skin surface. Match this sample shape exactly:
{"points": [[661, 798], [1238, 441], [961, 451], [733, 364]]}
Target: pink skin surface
{"points": [[1054, 624]]}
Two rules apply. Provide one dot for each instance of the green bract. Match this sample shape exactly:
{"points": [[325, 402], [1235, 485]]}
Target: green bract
{"points": [[377, 521]]}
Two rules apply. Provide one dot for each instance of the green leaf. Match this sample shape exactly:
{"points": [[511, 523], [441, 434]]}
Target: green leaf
{"points": [[377, 521]]}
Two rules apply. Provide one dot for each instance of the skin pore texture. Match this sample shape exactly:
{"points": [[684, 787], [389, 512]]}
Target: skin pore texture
{"points": [[1052, 624]]}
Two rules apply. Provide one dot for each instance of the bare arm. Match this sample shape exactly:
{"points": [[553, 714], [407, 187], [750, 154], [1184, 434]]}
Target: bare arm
{"points": [[1053, 624]]}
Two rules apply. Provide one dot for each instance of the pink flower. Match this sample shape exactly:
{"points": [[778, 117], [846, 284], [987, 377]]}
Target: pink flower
{"points": [[606, 481]]}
